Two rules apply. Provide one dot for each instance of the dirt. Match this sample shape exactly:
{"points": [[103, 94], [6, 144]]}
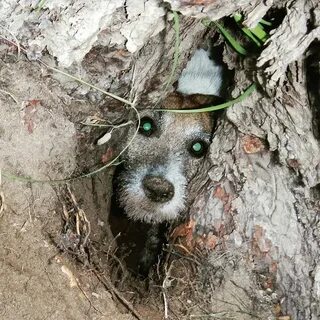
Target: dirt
{"points": [[38, 140]]}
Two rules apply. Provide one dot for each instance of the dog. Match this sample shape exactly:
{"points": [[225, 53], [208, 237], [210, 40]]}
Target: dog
{"points": [[165, 155]]}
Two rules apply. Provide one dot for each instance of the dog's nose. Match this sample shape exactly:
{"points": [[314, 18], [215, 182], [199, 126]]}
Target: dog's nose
{"points": [[157, 188]]}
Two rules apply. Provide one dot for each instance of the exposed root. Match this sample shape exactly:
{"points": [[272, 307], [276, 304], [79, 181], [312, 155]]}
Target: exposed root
{"points": [[76, 242], [2, 205], [83, 227], [115, 292]]}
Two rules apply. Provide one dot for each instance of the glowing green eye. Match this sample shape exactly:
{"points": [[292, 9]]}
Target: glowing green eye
{"points": [[198, 148], [147, 126]]}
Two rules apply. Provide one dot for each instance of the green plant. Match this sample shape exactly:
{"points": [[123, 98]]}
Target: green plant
{"points": [[227, 104]]}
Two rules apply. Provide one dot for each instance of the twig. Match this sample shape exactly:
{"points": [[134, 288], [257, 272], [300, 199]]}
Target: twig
{"points": [[109, 286], [112, 242], [1, 202], [165, 284], [80, 217], [86, 83], [123, 269], [9, 94], [113, 126], [165, 304], [17, 44], [86, 296], [194, 259]]}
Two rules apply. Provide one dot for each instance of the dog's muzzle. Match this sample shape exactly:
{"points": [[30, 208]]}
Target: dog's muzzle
{"points": [[157, 189]]}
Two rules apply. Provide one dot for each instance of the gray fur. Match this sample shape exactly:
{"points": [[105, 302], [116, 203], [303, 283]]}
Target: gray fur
{"points": [[165, 154]]}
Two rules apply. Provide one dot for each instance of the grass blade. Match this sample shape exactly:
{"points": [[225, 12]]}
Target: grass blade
{"points": [[259, 32], [233, 42], [225, 105]]}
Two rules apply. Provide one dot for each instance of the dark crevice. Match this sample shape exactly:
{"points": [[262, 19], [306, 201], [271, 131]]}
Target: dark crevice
{"points": [[133, 237], [313, 85]]}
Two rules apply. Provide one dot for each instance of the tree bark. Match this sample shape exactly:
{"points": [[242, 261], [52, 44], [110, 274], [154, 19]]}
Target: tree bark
{"points": [[261, 198]]}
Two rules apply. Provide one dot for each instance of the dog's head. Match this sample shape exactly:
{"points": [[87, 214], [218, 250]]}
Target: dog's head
{"points": [[164, 157]]}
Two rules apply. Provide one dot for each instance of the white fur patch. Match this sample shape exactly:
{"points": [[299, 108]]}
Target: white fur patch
{"points": [[201, 75], [139, 207]]}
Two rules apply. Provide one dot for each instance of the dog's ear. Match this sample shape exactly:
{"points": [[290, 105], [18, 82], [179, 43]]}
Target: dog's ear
{"points": [[176, 100], [173, 100], [202, 100]]}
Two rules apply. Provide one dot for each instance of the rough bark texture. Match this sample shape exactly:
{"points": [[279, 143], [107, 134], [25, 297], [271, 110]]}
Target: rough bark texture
{"points": [[260, 202], [262, 194]]}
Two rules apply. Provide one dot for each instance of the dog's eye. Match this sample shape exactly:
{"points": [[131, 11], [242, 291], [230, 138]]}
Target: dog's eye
{"points": [[198, 148], [147, 126]]}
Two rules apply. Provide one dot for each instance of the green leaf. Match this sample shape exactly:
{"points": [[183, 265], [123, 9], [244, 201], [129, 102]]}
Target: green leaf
{"points": [[250, 35], [259, 32], [233, 42], [265, 22], [237, 17], [256, 34]]}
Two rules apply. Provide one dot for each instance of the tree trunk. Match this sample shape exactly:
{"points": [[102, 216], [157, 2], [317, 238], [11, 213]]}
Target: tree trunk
{"points": [[261, 198], [258, 209]]}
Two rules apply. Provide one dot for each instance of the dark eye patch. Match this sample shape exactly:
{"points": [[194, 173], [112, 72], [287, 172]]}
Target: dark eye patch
{"points": [[198, 148], [147, 126]]}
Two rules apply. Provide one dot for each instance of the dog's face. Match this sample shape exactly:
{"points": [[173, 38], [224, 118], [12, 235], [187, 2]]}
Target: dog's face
{"points": [[163, 158]]}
